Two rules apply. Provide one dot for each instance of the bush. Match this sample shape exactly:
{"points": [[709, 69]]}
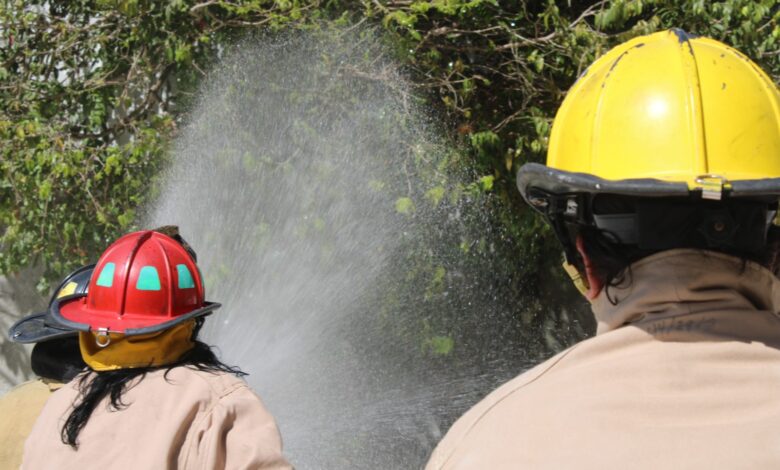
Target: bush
{"points": [[93, 92]]}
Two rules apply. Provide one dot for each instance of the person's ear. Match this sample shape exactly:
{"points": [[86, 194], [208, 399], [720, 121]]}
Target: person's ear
{"points": [[594, 282]]}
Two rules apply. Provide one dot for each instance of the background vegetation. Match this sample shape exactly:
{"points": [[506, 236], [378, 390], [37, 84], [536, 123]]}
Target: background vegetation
{"points": [[92, 93]]}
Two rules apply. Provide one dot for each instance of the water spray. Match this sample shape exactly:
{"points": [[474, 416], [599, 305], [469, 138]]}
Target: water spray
{"points": [[293, 180]]}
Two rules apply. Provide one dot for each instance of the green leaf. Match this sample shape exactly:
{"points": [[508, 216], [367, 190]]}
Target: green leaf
{"points": [[401, 18], [404, 205], [44, 190], [486, 182], [377, 185], [182, 53], [435, 195], [126, 218], [441, 345]]}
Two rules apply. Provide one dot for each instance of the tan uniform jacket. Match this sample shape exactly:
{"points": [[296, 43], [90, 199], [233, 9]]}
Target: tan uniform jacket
{"points": [[192, 420], [683, 373], [19, 408]]}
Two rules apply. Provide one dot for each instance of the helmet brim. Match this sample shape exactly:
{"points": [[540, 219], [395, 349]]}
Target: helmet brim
{"points": [[537, 176], [77, 309], [35, 329]]}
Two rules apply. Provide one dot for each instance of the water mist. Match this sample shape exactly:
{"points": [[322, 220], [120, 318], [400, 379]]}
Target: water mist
{"points": [[286, 181]]}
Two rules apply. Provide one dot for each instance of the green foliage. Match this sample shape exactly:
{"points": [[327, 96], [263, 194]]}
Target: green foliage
{"points": [[404, 205], [498, 71], [502, 69], [93, 92], [440, 345]]}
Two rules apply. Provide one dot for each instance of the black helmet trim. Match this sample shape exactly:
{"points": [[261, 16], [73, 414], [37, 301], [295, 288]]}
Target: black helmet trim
{"points": [[566, 199], [207, 309], [550, 180], [55, 316], [35, 328], [536, 175], [762, 187], [39, 327]]}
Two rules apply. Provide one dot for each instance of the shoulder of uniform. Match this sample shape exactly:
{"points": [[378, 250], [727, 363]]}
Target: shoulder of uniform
{"points": [[529, 376], [28, 386], [463, 426], [216, 384], [23, 395], [518, 383]]}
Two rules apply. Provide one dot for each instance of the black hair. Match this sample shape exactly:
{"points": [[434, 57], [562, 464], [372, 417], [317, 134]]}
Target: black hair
{"points": [[95, 386], [57, 359], [676, 223], [173, 232]]}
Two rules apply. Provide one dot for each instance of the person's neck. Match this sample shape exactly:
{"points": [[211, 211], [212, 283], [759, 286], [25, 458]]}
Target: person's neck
{"points": [[685, 281]]}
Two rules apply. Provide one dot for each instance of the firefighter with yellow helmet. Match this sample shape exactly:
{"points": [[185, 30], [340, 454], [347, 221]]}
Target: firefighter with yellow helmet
{"points": [[662, 184]]}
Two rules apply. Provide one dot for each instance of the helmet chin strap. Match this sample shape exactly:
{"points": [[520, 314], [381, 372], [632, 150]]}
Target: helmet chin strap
{"points": [[580, 282], [104, 351]]}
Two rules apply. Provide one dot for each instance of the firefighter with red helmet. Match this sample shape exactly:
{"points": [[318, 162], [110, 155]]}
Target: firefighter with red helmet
{"points": [[150, 381]]}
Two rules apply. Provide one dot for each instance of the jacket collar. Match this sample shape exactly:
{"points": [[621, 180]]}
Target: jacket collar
{"points": [[685, 281]]}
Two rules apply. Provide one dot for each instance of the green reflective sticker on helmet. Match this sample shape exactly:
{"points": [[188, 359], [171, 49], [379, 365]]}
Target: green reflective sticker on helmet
{"points": [[148, 279], [185, 277], [106, 278]]}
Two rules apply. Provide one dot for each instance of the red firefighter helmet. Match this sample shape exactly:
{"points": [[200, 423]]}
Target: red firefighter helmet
{"points": [[143, 283]]}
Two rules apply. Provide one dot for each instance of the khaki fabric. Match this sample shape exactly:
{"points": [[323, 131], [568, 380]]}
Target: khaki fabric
{"points": [[683, 373], [19, 408], [190, 420]]}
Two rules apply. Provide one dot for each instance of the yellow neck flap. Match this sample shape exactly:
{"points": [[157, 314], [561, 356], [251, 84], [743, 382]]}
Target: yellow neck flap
{"points": [[115, 351]]}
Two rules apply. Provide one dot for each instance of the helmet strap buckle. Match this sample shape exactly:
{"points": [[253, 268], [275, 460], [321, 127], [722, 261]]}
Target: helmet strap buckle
{"points": [[102, 338], [711, 186]]}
